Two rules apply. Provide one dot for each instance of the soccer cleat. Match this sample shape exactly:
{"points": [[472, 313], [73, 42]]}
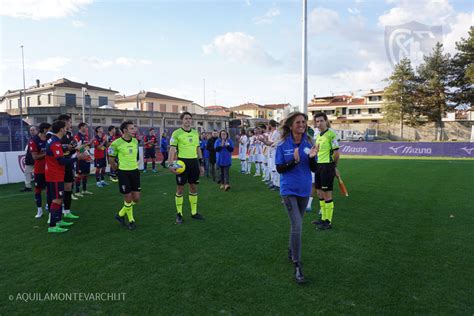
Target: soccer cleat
{"points": [[299, 277], [154, 171], [70, 215], [39, 214], [257, 175], [99, 184], [179, 219], [87, 192], [73, 197], [78, 194], [221, 187], [63, 223], [57, 229], [121, 219], [325, 226], [104, 183], [25, 190], [275, 188], [132, 225], [226, 187], [113, 178], [144, 170], [318, 222], [197, 216], [309, 210]]}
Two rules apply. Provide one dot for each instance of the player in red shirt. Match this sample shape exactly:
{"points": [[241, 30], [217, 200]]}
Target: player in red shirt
{"points": [[149, 142], [83, 164], [37, 147], [100, 162], [54, 175]]}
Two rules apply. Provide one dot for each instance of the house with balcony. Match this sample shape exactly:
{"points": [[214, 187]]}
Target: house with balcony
{"points": [[157, 102]]}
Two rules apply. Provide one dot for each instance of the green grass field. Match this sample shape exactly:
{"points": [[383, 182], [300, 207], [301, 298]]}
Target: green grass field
{"points": [[394, 249]]}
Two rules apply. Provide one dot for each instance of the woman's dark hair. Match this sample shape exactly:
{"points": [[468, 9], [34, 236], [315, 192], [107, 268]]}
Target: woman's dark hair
{"points": [[273, 123], [226, 134], [57, 125], [286, 128], [124, 125]]}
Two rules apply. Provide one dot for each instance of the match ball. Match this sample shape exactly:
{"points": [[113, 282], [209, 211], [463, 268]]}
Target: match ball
{"points": [[179, 166]]}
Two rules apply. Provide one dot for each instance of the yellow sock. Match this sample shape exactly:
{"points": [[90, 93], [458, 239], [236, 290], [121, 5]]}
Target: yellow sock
{"points": [[322, 205], [329, 209], [130, 214], [123, 211], [179, 204], [193, 200]]}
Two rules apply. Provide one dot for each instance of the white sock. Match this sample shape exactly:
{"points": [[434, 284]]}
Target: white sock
{"points": [[309, 202], [66, 211], [40, 210]]}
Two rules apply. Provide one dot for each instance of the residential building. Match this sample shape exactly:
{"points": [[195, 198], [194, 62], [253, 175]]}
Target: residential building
{"points": [[152, 101]]}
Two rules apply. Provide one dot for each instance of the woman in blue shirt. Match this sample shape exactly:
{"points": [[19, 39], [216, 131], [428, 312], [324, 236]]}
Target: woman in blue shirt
{"points": [[205, 152], [164, 149], [294, 161], [224, 147]]}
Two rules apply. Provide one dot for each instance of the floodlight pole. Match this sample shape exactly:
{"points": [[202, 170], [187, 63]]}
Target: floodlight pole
{"points": [[304, 64]]}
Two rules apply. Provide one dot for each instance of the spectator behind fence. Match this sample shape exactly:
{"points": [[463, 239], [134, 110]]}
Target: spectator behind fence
{"points": [[29, 162]]}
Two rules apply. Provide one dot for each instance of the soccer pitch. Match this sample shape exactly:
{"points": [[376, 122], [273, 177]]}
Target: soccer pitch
{"points": [[401, 243]]}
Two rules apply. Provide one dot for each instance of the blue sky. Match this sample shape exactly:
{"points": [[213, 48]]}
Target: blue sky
{"points": [[247, 51]]}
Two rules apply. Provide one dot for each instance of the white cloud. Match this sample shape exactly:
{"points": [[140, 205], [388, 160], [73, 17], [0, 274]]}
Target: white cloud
{"points": [[367, 78], [458, 29], [321, 20], [239, 47], [268, 17], [50, 64], [353, 10], [433, 12], [101, 63], [77, 23], [41, 9]]}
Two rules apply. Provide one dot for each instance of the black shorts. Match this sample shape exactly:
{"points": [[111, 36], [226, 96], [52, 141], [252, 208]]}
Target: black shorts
{"points": [[150, 153], [40, 181], [324, 176], [129, 181], [100, 163], [68, 173], [55, 190], [190, 174], [83, 167]]}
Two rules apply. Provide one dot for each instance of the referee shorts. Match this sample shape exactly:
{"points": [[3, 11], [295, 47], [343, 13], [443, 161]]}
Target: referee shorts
{"points": [[324, 177], [129, 181], [191, 172]]}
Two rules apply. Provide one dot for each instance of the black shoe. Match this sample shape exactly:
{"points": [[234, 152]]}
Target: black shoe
{"points": [[290, 256], [318, 222], [121, 219], [179, 219], [197, 216], [299, 277], [132, 225], [325, 226], [25, 190]]}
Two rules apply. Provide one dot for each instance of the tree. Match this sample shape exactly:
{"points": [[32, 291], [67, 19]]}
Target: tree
{"points": [[434, 75], [462, 80], [400, 96]]}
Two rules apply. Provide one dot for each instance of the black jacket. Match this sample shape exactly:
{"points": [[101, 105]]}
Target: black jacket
{"points": [[210, 148]]}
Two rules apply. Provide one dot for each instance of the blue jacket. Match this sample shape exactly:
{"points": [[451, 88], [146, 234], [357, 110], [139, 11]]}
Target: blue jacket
{"points": [[224, 158], [205, 152], [164, 144], [296, 181]]}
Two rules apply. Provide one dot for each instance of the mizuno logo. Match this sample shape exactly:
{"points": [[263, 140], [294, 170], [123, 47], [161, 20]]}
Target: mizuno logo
{"points": [[468, 150], [395, 149]]}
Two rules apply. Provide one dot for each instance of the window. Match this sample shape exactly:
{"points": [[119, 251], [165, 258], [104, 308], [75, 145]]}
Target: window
{"points": [[149, 106], [162, 107], [41, 119], [354, 111], [355, 121], [19, 102], [374, 110], [375, 98], [103, 101], [96, 120], [49, 98], [156, 122], [344, 111], [329, 112], [169, 122], [145, 121], [10, 104], [185, 108], [28, 101], [116, 121], [87, 100], [70, 99], [175, 108], [39, 99]]}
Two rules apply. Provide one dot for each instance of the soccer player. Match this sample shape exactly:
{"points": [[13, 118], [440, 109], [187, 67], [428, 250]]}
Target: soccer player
{"points": [[100, 162], [125, 149], [243, 142], [37, 147], [54, 175], [110, 138], [328, 157], [84, 164], [69, 148], [184, 144], [149, 142], [224, 147], [294, 161], [251, 151], [164, 149]]}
